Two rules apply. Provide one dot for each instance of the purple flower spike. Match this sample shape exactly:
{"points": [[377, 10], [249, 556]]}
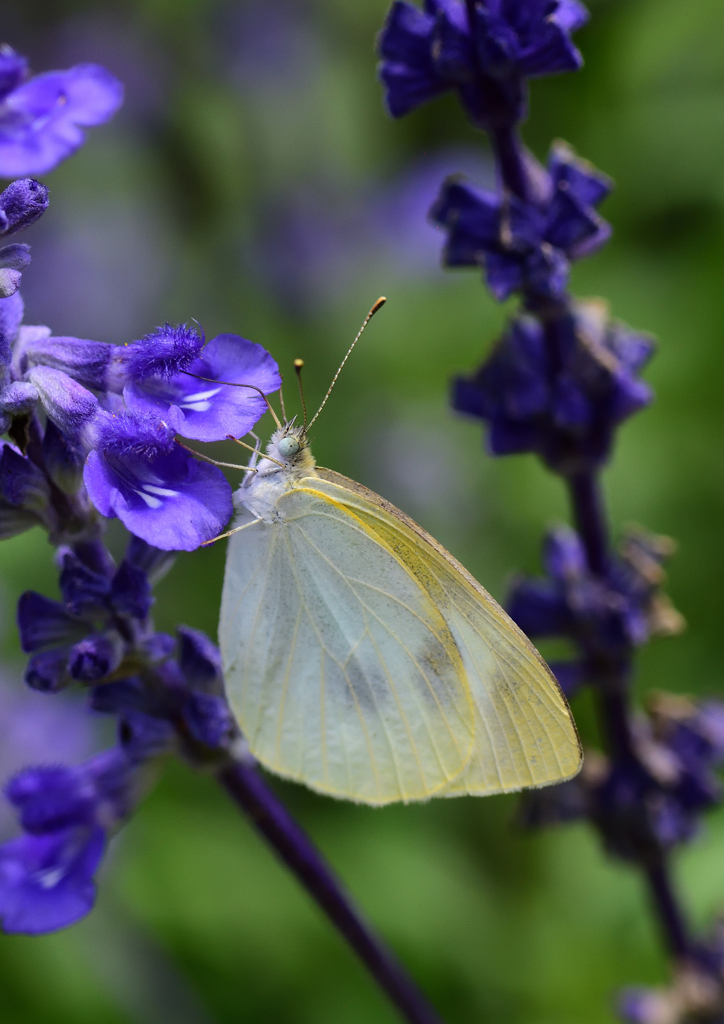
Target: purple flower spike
{"points": [[41, 119], [139, 474], [203, 409], [46, 881]]}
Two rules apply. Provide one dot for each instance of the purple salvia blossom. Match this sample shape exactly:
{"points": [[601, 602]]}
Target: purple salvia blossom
{"points": [[484, 50], [46, 876], [562, 401], [202, 410], [41, 118], [138, 473], [526, 245]]}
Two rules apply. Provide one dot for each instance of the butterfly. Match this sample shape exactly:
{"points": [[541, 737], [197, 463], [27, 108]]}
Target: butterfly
{"points": [[362, 659]]}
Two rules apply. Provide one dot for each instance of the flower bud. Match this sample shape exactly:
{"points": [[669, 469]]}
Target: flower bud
{"points": [[85, 361], [47, 671], [208, 719], [96, 656], [68, 404], [46, 623], [13, 259], [21, 204], [22, 485], [200, 660], [18, 398]]}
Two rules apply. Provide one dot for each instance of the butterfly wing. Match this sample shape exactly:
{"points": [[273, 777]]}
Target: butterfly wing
{"points": [[524, 733], [340, 669]]}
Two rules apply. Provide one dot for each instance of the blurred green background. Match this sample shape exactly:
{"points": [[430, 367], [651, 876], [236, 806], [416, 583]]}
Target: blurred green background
{"points": [[253, 182]]}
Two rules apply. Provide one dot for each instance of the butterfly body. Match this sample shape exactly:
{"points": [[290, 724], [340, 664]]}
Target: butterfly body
{"points": [[361, 659]]}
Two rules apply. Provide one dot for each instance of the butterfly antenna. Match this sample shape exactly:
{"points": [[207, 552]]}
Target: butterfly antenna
{"points": [[298, 364], [378, 305], [281, 401], [233, 384]]}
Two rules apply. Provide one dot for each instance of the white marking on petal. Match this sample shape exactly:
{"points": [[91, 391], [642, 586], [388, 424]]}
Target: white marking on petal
{"points": [[196, 406], [165, 492], [149, 499], [49, 879]]}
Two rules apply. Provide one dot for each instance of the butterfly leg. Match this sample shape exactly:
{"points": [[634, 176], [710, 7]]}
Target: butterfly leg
{"points": [[229, 532], [215, 462]]}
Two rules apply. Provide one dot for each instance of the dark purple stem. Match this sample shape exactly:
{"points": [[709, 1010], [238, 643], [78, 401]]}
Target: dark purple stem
{"points": [[589, 518], [668, 910], [248, 789], [512, 168]]}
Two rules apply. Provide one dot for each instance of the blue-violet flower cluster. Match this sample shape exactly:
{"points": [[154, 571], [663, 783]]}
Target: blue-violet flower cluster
{"points": [[90, 432]]}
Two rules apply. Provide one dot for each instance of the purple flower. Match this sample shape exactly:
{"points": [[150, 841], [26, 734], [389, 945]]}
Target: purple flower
{"points": [[41, 119], [200, 661], [559, 390], [523, 245], [46, 876], [46, 881], [607, 616], [197, 408], [102, 621], [486, 60], [13, 70], [161, 494]]}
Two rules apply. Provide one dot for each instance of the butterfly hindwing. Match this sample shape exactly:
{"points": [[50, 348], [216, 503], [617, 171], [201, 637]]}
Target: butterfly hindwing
{"points": [[341, 670]]}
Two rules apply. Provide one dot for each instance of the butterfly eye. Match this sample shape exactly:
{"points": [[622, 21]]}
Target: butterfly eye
{"points": [[288, 446]]}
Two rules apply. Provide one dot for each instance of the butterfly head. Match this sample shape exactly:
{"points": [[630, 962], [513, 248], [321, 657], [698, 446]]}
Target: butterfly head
{"points": [[289, 445]]}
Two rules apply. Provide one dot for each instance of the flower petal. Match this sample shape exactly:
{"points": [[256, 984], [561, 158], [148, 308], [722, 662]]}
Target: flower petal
{"points": [[207, 411]]}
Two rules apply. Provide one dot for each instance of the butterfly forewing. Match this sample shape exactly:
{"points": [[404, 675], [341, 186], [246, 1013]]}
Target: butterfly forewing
{"points": [[340, 668], [524, 733]]}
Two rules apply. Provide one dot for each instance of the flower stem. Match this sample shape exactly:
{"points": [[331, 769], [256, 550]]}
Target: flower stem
{"points": [[514, 175], [668, 909], [247, 788], [589, 518]]}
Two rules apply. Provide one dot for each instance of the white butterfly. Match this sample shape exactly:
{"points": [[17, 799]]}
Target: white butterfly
{"points": [[361, 658]]}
